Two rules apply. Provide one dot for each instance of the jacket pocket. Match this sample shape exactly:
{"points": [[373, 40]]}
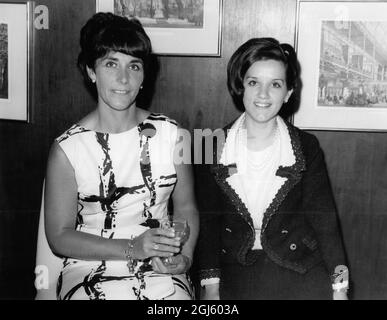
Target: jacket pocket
{"points": [[310, 243]]}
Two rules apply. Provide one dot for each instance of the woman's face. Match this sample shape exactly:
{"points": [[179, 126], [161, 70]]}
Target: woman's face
{"points": [[118, 78], [265, 90]]}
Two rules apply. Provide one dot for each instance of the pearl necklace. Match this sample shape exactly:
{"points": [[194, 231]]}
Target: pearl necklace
{"points": [[268, 160], [250, 158]]}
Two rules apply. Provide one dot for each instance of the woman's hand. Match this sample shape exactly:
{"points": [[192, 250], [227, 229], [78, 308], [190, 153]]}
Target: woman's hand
{"points": [[177, 264], [155, 243], [210, 292]]}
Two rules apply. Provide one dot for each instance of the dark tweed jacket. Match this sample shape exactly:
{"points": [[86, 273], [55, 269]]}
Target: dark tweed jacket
{"points": [[300, 227]]}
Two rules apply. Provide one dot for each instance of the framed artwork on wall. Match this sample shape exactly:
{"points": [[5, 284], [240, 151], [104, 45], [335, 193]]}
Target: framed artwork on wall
{"points": [[342, 49], [15, 60], [175, 27]]}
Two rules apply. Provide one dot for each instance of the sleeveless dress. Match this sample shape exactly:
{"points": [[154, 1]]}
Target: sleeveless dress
{"points": [[124, 183]]}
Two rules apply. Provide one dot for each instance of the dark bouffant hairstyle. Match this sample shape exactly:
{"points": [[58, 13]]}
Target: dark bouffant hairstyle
{"points": [[257, 49], [105, 32]]}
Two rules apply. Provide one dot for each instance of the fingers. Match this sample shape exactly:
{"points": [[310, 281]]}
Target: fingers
{"points": [[163, 251], [163, 267], [175, 265], [169, 233], [158, 242], [162, 247], [166, 241], [162, 242], [158, 265], [165, 248]]}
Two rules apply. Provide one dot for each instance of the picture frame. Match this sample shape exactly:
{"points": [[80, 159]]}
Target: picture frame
{"points": [[15, 60], [186, 28], [341, 47]]}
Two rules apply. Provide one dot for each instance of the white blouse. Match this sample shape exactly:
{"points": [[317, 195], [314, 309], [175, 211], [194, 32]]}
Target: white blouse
{"points": [[255, 181]]}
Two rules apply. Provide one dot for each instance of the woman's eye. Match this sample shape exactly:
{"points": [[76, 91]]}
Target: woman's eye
{"points": [[277, 85], [110, 64], [135, 67], [252, 83]]}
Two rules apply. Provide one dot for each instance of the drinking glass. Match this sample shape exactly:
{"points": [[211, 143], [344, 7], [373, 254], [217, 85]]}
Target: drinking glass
{"points": [[181, 230]]}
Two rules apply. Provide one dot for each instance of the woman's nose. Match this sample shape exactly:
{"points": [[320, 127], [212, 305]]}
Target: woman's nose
{"points": [[263, 92], [123, 76]]}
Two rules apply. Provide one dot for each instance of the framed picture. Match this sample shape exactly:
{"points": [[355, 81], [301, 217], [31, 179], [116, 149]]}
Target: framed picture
{"points": [[15, 45], [175, 27], [342, 49]]}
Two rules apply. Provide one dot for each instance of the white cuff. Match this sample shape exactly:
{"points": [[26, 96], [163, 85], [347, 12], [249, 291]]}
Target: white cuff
{"points": [[340, 286], [205, 282]]}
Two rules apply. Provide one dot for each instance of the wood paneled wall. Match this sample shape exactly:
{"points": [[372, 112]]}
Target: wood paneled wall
{"points": [[193, 91], [59, 100], [357, 166]]}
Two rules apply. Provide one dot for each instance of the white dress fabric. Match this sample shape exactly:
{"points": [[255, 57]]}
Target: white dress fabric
{"points": [[124, 183]]}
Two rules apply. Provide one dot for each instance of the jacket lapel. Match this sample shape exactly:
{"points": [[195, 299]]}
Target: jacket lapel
{"points": [[221, 174], [292, 174]]}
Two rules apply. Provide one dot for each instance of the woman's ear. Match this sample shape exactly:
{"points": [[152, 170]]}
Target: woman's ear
{"points": [[91, 74], [289, 93]]}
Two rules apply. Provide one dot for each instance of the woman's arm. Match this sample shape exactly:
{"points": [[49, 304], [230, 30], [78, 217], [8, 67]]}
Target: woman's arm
{"points": [[320, 208], [211, 207], [61, 198], [184, 206], [183, 196]]}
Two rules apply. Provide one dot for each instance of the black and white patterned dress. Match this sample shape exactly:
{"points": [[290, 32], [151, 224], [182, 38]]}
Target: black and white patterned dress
{"points": [[124, 184]]}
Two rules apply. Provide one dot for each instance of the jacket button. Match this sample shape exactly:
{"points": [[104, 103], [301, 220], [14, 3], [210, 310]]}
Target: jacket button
{"points": [[284, 231], [293, 246]]}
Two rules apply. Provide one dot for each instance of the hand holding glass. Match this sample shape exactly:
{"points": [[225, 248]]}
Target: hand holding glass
{"points": [[181, 230]]}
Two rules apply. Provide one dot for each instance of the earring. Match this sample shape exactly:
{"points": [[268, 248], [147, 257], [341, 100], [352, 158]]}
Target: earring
{"points": [[93, 80], [141, 87]]}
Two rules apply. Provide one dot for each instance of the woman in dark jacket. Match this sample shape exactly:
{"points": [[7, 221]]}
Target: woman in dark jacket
{"points": [[269, 227]]}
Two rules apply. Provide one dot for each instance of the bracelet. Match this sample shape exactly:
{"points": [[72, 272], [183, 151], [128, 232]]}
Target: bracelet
{"points": [[129, 254]]}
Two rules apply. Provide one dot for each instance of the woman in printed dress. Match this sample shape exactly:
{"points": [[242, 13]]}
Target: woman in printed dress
{"points": [[110, 178]]}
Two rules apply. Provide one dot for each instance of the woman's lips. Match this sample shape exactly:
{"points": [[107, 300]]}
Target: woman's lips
{"points": [[262, 105], [121, 91]]}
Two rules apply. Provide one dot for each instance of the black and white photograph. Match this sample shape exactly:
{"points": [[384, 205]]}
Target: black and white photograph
{"points": [[3, 61], [342, 50], [176, 27], [163, 13], [15, 62], [193, 158], [353, 64]]}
